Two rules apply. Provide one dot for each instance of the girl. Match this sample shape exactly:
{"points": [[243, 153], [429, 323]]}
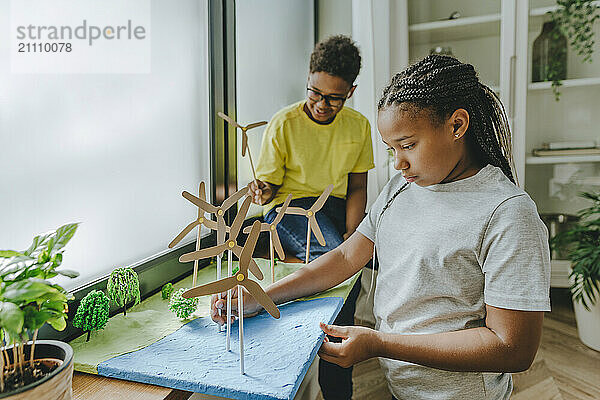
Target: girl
{"points": [[464, 264]]}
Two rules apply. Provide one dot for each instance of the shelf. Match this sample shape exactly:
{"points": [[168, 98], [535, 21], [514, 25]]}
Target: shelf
{"points": [[541, 11], [565, 84], [561, 159], [455, 29]]}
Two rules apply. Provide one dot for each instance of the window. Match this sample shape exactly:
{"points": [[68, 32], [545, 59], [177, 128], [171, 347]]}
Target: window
{"points": [[110, 150]]}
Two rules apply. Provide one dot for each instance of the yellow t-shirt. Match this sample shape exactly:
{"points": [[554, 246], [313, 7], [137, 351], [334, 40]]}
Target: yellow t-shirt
{"points": [[305, 157]]}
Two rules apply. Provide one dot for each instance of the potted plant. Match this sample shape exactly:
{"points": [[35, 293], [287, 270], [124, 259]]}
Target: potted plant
{"points": [[583, 245], [31, 368], [575, 20]]}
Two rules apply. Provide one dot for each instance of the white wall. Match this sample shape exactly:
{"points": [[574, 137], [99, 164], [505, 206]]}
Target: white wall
{"points": [[112, 151]]}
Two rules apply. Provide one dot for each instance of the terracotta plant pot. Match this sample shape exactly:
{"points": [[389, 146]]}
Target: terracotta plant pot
{"points": [[57, 384]]}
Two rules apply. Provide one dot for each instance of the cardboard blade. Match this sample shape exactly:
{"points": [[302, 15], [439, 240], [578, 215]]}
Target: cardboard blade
{"points": [[281, 212], [322, 199], [229, 119], [182, 234], [220, 229], [222, 285], [203, 253], [314, 226], [233, 199], [277, 245], [239, 219], [244, 143], [293, 210], [204, 205], [261, 297], [255, 125]]}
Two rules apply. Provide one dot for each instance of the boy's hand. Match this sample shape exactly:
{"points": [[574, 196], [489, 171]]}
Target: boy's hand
{"points": [[358, 344], [251, 307], [261, 192]]}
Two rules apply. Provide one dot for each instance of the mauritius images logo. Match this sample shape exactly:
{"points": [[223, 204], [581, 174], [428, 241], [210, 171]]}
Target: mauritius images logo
{"points": [[86, 32], [80, 36]]}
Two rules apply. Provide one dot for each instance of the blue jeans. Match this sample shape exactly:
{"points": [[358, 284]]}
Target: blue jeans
{"points": [[292, 228]]}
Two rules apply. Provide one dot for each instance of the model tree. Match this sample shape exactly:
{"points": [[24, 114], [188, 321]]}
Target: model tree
{"points": [[167, 290], [183, 308], [92, 313], [123, 286]]}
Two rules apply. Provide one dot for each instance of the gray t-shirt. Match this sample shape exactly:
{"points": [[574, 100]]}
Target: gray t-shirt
{"points": [[444, 252]]}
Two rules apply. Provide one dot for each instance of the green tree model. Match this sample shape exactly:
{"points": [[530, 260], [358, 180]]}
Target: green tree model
{"points": [[92, 313], [123, 286], [167, 290], [183, 308]]}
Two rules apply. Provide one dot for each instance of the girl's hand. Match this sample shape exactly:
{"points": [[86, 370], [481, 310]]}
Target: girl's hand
{"points": [[251, 307], [358, 344], [261, 192]]}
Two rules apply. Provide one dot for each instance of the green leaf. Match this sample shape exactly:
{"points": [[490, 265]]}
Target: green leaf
{"points": [[27, 291], [38, 245], [34, 319], [10, 253], [58, 323], [11, 318], [63, 235]]}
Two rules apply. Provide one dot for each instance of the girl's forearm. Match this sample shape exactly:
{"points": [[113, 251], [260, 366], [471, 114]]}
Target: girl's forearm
{"points": [[476, 349], [325, 272]]}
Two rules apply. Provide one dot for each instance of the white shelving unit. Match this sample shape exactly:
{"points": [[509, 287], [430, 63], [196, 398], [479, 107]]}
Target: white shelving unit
{"points": [[567, 83], [454, 29], [505, 31], [532, 160]]}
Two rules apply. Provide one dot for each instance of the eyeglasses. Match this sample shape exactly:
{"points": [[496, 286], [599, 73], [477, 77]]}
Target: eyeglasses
{"points": [[333, 101]]}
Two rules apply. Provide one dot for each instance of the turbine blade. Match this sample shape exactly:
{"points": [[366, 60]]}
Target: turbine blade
{"points": [[263, 228], [222, 285], [259, 295], [253, 266], [284, 207], [255, 125], [229, 119], [203, 253], [244, 143], [221, 228], [204, 205], [202, 191], [314, 226], [277, 245], [210, 224], [248, 248], [182, 234], [292, 210], [322, 198], [239, 219], [231, 200]]}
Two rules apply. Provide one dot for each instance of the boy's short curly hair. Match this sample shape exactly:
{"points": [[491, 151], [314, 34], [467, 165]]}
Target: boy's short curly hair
{"points": [[338, 56]]}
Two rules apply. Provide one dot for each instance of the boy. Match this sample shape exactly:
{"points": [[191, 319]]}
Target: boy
{"points": [[307, 146]]}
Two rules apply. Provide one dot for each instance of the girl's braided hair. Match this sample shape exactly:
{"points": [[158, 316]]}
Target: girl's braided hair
{"points": [[442, 84]]}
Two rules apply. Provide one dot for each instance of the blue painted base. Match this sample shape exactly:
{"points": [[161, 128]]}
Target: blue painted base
{"points": [[277, 354]]}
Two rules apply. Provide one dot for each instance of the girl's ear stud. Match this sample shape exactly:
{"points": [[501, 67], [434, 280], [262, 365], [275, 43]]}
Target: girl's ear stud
{"points": [[457, 135]]}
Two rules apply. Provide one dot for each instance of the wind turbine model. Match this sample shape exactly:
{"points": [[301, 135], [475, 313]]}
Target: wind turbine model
{"points": [[232, 246], [310, 215], [274, 236], [221, 228], [244, 136], [198, 222], [241, 279]]}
